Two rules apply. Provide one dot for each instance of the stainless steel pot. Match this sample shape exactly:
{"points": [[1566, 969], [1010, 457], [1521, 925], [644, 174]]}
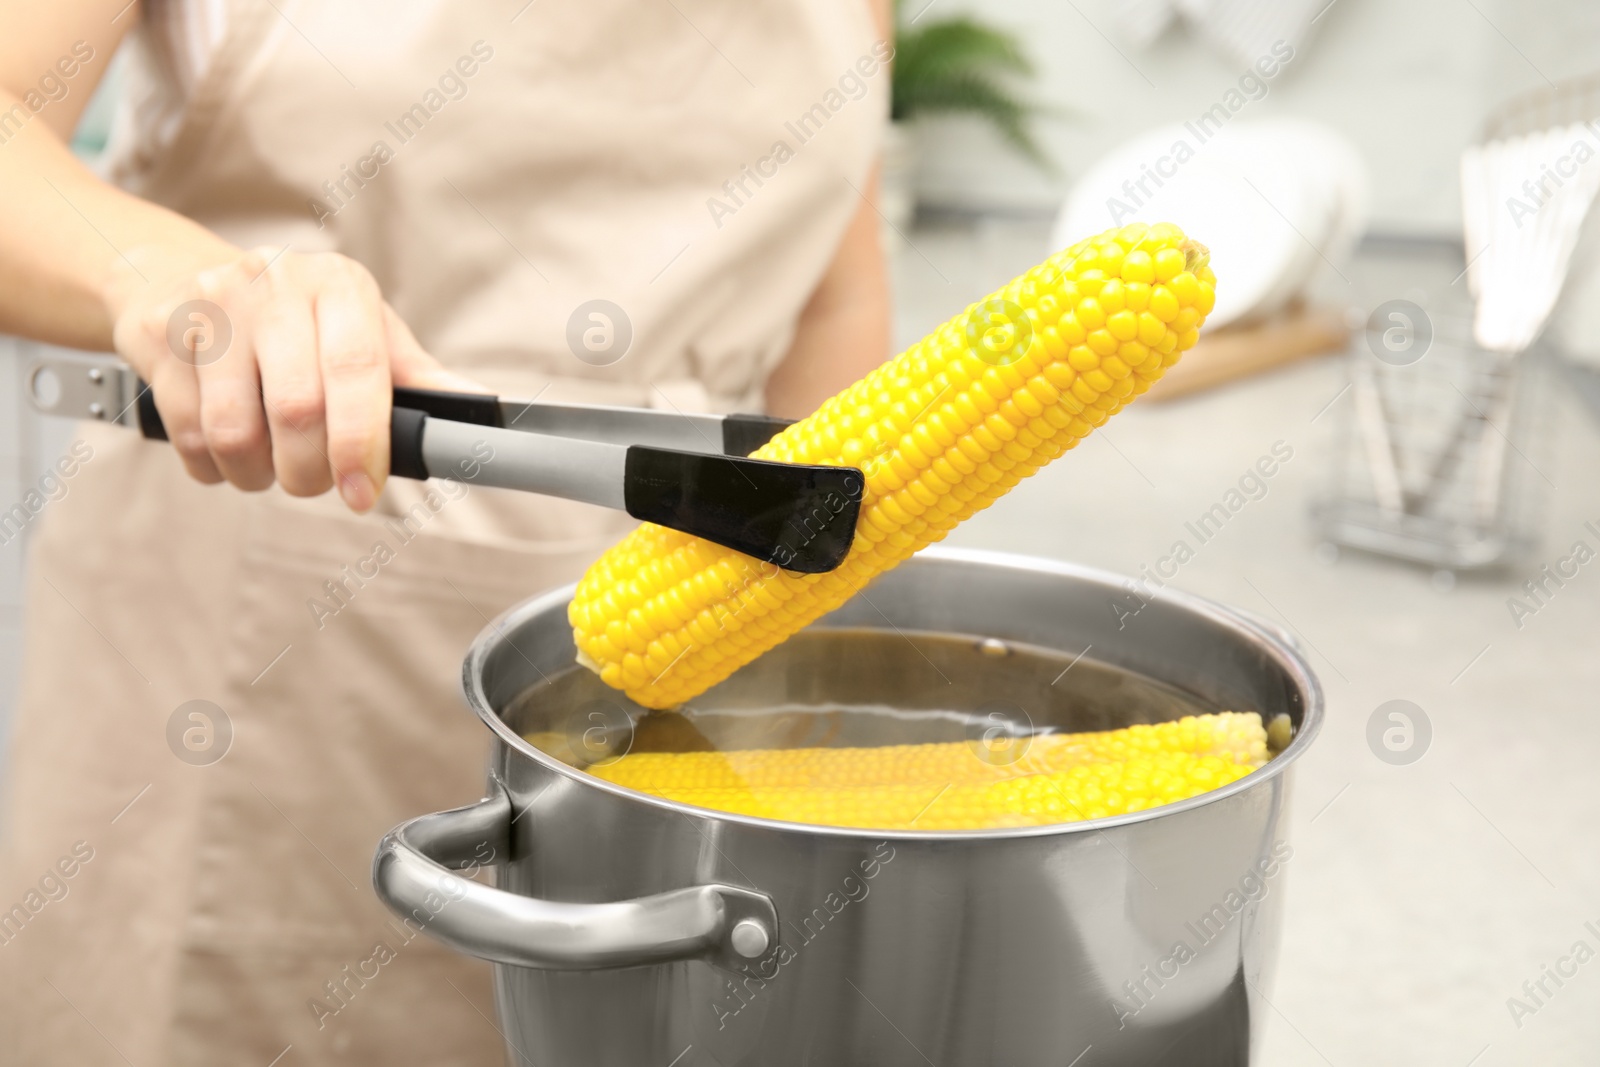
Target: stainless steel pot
{"points": [[637, 932]]}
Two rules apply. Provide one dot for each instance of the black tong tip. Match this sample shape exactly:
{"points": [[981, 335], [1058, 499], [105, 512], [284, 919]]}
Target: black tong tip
{"points": [[799, 517]]}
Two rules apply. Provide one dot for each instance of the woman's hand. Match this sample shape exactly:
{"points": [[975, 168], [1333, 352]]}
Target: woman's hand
{"points": [[276, 366]]}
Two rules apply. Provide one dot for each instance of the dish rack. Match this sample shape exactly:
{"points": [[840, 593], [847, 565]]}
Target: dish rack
{"points": [[1436, 457], [1436, 460]]}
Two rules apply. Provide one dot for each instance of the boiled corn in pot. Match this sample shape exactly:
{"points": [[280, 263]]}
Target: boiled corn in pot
{"points": [[770, 937], [827, 852]]}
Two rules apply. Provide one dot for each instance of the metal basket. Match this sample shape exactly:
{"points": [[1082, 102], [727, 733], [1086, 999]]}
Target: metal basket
{"points": [[1436, 458]]}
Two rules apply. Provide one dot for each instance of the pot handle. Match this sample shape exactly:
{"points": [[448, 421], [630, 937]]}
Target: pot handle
{"points": [[412, 873]]}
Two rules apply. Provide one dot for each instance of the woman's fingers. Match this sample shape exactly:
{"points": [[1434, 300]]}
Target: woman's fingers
{"points": [[352, 347], [231, 414], [177, 396], [141, 338], [291, 385]]}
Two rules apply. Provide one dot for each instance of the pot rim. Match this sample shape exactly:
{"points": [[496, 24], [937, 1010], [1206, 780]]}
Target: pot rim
{"points": [[1275, 641]]}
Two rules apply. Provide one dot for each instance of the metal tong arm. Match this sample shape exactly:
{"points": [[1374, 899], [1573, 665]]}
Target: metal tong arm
{"points": [[94, 387], [799, 517], [727, 435], [686, 472]]}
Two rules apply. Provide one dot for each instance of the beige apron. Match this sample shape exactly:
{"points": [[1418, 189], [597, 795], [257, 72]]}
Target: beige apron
{"points": [[223, 913]]}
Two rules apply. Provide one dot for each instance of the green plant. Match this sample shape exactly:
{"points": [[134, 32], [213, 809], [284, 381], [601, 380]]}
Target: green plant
{"points": [[961, 65]]}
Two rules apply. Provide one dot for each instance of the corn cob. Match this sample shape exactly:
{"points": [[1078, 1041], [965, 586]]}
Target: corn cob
{"points": [[1236, 736], [946, 786], [940, 432], [1090, 791]]}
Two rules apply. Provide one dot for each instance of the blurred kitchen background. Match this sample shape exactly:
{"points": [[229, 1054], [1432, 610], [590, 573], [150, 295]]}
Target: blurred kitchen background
{"points": [[1444, 846]]}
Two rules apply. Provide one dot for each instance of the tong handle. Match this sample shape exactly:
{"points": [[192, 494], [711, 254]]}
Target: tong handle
{"points": [[144, 410], [740, 434], [412, 407], [479, 409]]}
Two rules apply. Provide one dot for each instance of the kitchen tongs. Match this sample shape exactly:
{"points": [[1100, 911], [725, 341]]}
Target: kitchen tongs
{"points": [[688, 472]]}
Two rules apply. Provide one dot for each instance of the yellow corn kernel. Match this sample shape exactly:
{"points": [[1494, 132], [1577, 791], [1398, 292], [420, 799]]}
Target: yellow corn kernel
{"points": [[1092, 791], [1014, 781], [962, 375], [1088, 791], [1238, 736]]}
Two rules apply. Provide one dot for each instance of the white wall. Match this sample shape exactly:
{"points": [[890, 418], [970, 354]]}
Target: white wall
{"points": [[1409, 81]]}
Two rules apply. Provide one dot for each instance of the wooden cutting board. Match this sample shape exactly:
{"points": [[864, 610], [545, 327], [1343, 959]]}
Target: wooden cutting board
{"points": [[1239, 351]]}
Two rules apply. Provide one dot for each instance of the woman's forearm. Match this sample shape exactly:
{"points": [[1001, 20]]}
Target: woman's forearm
{"points": [[844, 331], [73, 249]]}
